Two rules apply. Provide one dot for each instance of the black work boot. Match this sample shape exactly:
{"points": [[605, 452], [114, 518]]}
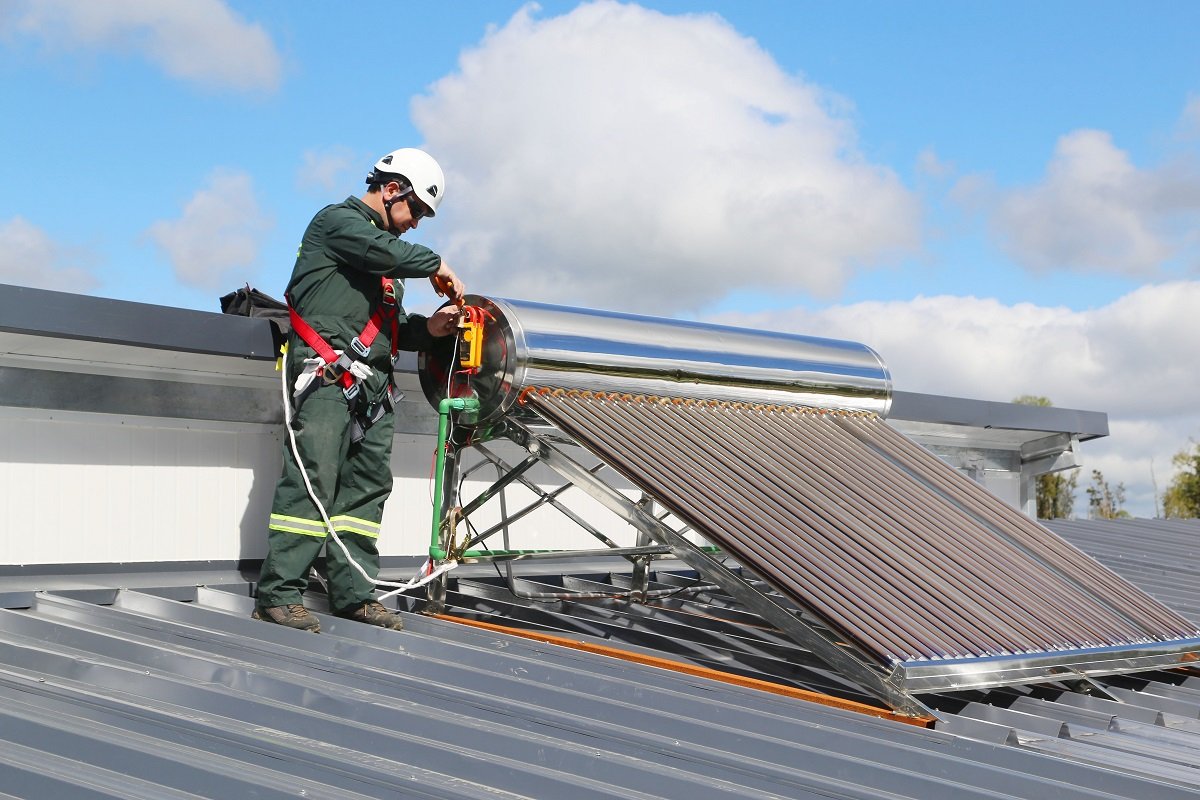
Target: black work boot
{"points": [[293, 615], [372, 612]]}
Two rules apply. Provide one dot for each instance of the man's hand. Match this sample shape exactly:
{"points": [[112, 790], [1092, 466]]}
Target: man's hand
{"points": [[444, 321], [447, 284]]}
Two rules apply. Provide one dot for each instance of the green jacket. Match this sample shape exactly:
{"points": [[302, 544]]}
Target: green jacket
{"points": [[335, 284]]}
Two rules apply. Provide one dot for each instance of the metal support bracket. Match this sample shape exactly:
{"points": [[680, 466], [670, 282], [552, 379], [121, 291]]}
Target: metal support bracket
{"points": [[1082, 684]]}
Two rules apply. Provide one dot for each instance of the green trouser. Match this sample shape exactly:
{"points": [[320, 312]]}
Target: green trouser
{"points": [[352, 481]]}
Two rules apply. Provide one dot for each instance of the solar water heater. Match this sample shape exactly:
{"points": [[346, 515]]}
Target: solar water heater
{"points": [[763, 461]]}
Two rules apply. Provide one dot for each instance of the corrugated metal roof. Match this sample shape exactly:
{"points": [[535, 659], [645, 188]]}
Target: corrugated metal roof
{"points": [[1162, 556], [149, 694], [175, 692]]}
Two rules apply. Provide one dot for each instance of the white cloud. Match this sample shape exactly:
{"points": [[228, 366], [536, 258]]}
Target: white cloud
{"points": [[621, 157], [1137, 453], [1133, 359], [202, 41], [30, 257], [930, 165], [219, 231], [1095, 210], [326, 169], [1189, 124]]}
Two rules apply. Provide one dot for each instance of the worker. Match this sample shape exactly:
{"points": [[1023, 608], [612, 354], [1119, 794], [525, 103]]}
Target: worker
{"points": [[341, 287]]}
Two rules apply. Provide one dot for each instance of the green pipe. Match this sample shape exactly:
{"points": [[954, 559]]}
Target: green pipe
{"points": [[486, 553], [436, 553]]}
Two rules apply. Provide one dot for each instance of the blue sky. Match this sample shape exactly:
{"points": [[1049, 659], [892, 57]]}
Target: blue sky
{"points": [[1001, 198]]}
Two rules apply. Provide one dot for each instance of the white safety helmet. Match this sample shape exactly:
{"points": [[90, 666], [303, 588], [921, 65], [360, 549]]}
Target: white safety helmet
{"points": [[418, 168]]}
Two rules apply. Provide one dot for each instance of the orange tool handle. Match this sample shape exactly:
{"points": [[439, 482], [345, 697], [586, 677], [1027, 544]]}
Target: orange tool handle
{"points": [[444, 287]]}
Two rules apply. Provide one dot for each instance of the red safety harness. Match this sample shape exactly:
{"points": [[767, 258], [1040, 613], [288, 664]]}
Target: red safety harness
{"points": [[337, 367]]}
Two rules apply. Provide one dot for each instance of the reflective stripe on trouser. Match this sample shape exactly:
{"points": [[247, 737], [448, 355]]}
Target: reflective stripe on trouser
{"points": [[353, 480], [316, 527]]}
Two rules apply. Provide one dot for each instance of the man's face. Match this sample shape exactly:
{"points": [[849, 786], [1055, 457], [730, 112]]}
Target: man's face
{"points": [[408, 210]]}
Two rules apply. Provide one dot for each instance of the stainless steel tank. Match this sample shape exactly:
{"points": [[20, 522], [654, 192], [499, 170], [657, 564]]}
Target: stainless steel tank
{"points": [[535, 344]]}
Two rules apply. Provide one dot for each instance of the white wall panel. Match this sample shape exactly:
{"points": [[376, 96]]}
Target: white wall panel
{"points": [[97, 488], [102, 488]]}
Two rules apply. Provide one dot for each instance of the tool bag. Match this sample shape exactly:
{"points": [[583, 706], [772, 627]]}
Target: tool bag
{"points": [[250, 302]]}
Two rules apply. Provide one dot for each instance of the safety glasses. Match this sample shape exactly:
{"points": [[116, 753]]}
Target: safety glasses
{"points": [[417, 209]]}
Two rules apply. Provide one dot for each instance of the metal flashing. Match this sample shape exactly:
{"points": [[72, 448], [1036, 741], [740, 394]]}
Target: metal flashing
{"points": [[992, 415], [72, 316]]}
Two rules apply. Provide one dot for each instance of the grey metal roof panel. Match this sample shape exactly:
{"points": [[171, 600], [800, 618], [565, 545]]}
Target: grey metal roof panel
{"points": [[1162, 556], [693, 631], [360, 717], [1138, 773], [195, 697]]}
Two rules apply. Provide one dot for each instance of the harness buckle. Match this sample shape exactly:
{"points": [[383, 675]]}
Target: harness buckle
{"points": [[351, 391], [360, 349], [389, 293], [330, 373]]}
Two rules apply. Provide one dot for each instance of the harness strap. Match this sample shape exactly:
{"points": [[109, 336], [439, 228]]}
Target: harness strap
{"points": [[390, 309], [316, 342], [385, 312]]}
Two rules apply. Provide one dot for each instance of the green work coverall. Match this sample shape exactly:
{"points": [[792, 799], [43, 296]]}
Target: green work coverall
{"points": [[335, 287]]}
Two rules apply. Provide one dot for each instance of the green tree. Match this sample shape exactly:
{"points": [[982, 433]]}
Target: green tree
{"points": [[1055, 490], [1104, 502], [1182, 498]]}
